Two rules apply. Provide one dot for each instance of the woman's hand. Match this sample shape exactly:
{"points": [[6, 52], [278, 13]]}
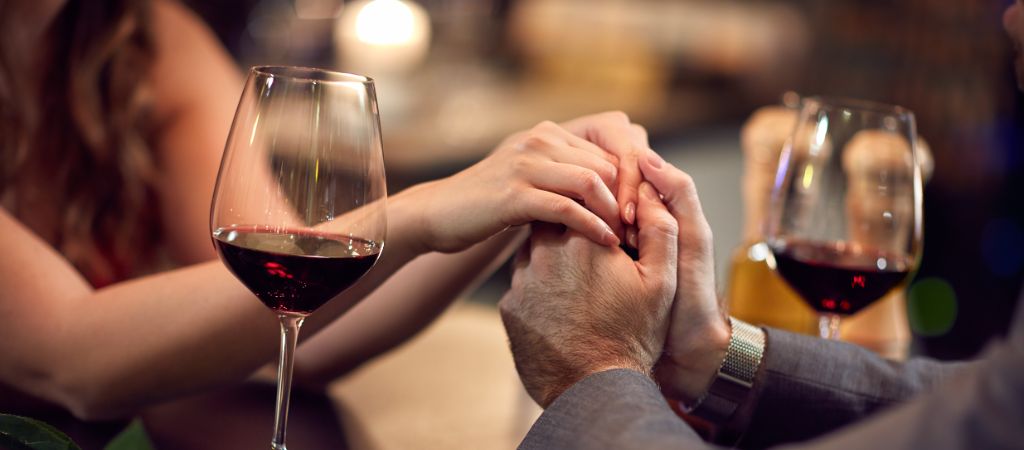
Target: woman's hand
{"points": [[613, 132], [546, 174]]}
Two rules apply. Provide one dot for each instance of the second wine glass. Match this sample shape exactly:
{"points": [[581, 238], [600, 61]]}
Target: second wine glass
{"points": [[844, 224], [298, 213]]}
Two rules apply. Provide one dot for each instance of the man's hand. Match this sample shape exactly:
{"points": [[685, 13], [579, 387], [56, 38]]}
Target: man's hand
{"points": [[699, 332], [577, 308]]}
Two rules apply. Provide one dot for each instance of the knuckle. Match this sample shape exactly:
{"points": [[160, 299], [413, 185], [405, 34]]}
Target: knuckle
{"points": [[506, 306], [640, 132], [588, 181], [684, 184], [706, 235], [545, 126], [534, 141], [560, 205], [666, 227], [616, 116], [521, 166], [608, 171], [699, 238], [686, 181]]}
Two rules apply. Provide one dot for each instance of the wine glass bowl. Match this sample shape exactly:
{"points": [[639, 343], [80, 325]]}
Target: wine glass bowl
{"points": [[292, 271], [845, 218], [298, 212]]}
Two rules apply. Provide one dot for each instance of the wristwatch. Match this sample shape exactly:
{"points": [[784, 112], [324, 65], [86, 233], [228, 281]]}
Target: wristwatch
{"points": [[734, 379]]}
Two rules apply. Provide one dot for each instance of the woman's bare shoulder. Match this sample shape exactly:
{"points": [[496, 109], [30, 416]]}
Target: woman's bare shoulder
{"points": [[196, 85], [191, 67]]}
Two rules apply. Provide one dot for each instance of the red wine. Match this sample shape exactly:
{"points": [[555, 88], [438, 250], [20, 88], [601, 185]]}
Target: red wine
{"points": [[294, 271], [834, 279]]}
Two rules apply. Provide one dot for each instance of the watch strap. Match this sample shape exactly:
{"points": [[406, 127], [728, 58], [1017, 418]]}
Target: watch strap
{"points": [[732, 383]]}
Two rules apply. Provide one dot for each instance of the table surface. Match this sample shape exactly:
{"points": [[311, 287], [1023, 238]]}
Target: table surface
{"points": [[453, 386]]}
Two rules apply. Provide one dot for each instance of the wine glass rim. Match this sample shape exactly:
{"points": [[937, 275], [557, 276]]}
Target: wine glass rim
{"points": [[866, 105], [312, 74]]}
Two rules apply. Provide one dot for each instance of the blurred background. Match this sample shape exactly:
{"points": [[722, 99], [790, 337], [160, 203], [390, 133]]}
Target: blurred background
{"points": [[455, 76]]}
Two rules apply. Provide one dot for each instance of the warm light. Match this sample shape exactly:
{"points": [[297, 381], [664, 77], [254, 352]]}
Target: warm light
{"points": [[819, 135], [808, 177], [382, 36], [385, 22], [759, 252]]}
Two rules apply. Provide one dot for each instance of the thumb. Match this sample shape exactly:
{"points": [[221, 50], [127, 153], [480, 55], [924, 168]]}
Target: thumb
{"points": [[680, 194], [658, 235], [675, 186]]}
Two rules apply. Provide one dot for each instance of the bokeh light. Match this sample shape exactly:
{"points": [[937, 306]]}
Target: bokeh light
{"points": [[385, 22], [1002, 247]]}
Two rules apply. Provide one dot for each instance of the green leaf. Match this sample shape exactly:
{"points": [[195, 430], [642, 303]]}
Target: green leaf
{"points": [[22, 433], [133, 437]]}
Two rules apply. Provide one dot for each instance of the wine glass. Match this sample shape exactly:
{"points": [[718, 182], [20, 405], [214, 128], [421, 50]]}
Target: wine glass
{"points": [[844, 224], [299, 209]]}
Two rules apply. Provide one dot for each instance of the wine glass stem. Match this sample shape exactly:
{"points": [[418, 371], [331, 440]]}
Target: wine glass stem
{"points": [[289, 338], [828, 326]]}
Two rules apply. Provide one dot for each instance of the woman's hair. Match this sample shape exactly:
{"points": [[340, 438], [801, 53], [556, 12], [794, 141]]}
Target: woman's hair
{"points": [[82, 132]]}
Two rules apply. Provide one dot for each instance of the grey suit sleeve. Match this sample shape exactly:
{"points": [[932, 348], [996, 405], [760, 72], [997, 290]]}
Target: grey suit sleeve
{"points": [[981, 406], [620, 409], [809, 386]]}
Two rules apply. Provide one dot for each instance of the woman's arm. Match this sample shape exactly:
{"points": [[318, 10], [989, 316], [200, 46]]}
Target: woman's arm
{"points": [[399, 309], [104, 353]]}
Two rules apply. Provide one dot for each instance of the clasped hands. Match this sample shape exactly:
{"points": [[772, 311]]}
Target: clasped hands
{"points": [[579, 305]]}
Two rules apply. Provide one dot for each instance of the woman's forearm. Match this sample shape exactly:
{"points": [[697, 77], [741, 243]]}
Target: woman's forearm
{"points": [[397, 310], [108, 352]]}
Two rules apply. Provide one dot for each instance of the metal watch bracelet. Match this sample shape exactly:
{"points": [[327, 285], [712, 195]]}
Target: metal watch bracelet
{"points": [[735, 377]]}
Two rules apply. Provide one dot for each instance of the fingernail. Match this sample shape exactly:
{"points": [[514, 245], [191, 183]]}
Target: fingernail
{"points": [[609, 237], [631, 238], [630, 213], [655, 159]]}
